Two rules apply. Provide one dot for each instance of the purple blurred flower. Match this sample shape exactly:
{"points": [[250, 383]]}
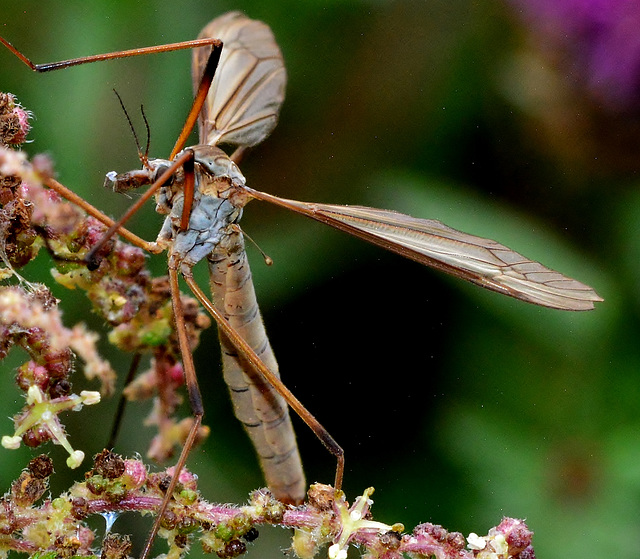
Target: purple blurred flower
{"points": [[601, 39]]}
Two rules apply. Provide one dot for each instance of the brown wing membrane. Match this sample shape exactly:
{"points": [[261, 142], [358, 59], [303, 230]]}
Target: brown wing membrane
{"points": [[481, 261], [244, 101]]}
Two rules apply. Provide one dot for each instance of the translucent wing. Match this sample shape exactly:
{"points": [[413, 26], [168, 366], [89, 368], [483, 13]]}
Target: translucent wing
{"points": [[247, 92], [481, 261]]}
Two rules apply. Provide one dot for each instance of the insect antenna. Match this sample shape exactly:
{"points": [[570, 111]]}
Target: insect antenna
{"points": [[146, 125], [144, 157]]}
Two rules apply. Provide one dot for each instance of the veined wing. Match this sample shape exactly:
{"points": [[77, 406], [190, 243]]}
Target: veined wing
{"points": [[247, 92], [478, 260]]}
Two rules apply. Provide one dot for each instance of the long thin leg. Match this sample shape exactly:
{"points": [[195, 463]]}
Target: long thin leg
{"points": [[192, 117], [110, 55], [200, 97], [259, 367], [101, 217], [194, 398], [188, 192]]}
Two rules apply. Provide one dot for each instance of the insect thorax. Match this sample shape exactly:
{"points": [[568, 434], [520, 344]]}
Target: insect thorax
{"points": [[217, 202], [216, 205]]}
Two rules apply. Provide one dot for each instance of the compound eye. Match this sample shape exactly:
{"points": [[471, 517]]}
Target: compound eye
{"points": [[160, 170]]}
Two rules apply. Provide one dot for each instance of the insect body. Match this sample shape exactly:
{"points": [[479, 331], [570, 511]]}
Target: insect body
{"points": [[213, 234], [241, 108]]}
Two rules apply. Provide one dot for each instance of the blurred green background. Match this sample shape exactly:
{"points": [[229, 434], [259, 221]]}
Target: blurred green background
{"points": [[458, 405]]}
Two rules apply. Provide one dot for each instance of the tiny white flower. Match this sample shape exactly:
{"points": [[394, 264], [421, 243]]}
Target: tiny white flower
{"points": [[76, 458], [500, 545], [34, 395], [355, 515], [11, 443], [476, 542], [336, 552], [90, 397]]}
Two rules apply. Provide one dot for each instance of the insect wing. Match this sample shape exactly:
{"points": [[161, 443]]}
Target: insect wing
{"points": [[478, 260], [247, 92]]}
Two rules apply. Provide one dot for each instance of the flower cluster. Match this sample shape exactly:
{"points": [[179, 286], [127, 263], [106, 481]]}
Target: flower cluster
{"points": [[14, 121], [121, 290], [116, 484]]}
